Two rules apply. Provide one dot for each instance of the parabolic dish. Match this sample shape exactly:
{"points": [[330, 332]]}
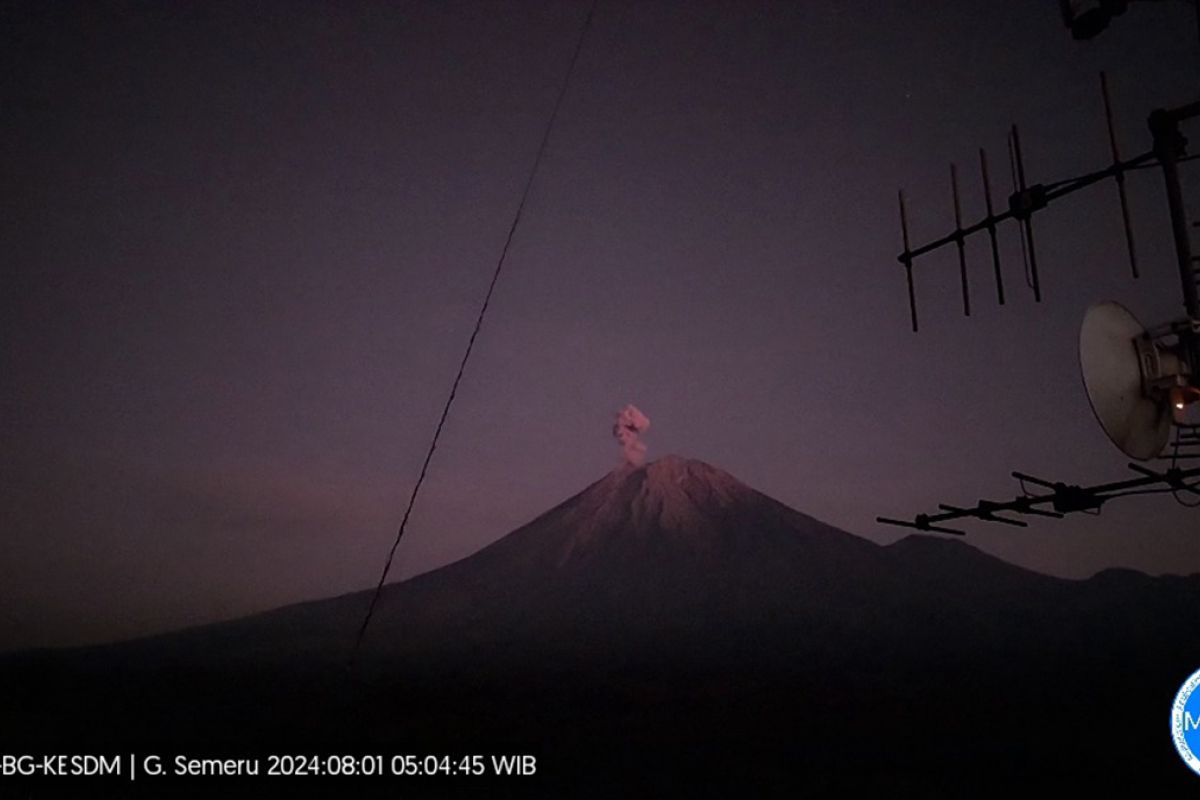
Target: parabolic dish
{"points": [[1112, 376]]}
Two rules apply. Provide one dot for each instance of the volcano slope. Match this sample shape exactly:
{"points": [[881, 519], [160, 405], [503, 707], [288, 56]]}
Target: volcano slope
{"points": [[672, 628]]}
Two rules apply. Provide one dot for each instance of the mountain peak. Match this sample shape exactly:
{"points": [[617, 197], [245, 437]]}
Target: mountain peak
{"points": [[680, 491], [671, 510], [673, 461], [679, 498], [674, 464], [674, 469]]}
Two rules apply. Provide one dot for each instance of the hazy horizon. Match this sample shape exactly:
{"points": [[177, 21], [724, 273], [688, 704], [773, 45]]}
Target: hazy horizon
{"points": [[616, 468]]}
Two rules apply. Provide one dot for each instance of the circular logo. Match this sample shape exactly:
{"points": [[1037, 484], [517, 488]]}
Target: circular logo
{"points": [[1185, 722]]}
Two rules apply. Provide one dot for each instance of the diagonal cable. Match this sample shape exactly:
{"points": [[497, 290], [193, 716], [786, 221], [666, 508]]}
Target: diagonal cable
{"points": [[462, 366]]}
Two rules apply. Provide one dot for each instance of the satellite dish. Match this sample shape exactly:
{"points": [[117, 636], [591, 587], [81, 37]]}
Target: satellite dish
{"points": [[1112, 347]]}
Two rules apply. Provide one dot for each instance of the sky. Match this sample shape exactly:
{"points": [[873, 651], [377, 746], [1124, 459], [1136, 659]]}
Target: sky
{"points": [[245, 244]]}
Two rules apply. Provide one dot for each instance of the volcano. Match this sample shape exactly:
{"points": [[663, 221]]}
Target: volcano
{"points": [[671, 624]]}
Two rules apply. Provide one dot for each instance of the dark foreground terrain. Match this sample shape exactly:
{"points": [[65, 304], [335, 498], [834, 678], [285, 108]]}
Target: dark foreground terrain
{"points": [[667, 631]]}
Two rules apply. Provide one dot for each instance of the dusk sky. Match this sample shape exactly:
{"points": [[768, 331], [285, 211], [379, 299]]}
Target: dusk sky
{"points": [[244, 245]]}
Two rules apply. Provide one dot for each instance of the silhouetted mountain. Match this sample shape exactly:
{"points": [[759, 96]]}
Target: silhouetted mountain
{"points": [[675, 620]]}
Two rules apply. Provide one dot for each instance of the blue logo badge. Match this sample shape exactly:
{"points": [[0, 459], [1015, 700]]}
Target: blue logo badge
{"points": [[1185, 721]]}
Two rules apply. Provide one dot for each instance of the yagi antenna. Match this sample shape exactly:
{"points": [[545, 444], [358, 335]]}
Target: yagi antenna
{"points": [[1024, 202], [1060, 500]]}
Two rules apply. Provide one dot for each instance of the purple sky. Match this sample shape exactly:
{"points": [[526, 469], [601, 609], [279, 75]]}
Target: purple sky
{"points": [[244, 245]]}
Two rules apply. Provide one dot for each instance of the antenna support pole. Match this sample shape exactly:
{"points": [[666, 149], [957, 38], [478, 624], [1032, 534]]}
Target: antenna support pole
{"points": [[1169, 146]]}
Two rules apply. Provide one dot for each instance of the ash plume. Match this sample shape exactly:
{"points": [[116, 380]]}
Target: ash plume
{"points": [[627, 429]]}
